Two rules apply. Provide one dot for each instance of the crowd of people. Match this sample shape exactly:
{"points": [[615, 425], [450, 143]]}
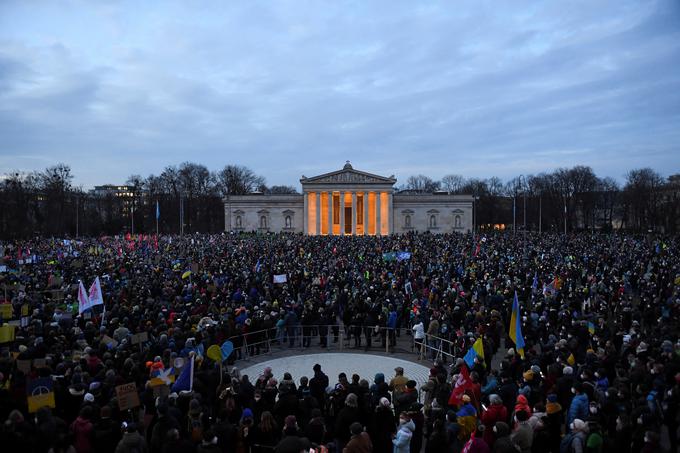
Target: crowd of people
{"points": [[599, 371]]}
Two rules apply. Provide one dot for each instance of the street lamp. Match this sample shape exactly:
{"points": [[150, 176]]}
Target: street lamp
{"points": [[474, 214], [523, 183]]}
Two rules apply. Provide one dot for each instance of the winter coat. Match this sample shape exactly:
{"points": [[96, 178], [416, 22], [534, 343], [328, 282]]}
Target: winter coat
{"points": [[359, 444], [131, 443], [574, 443], [82, 435], [495, 413], [106, 435], [476, 445], [346, 417], [402, 440], [579, 408], [382, 426], [523, 436], [404, 400], [503, 443]]}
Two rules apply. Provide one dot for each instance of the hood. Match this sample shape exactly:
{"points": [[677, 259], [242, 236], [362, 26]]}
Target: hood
{"points": [[379, 378], [521, 399], [81, 423], [409, 426], [502, 429], [131, 439]]}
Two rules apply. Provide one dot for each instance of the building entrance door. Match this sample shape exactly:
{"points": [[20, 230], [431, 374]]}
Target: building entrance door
{"points": [[348, 220]]}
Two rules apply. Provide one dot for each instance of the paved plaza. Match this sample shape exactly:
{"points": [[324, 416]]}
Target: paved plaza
{"points": [[334, 363]]}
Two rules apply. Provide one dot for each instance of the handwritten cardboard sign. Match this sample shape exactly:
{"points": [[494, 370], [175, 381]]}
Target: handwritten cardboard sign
{"points": [[127, 396], [140, 337]]}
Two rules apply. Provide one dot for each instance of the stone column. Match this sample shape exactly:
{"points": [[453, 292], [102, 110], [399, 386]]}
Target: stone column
{"points": [[365, 213], [378, 231], [330, 213], [390, 214], [305, 210], [354, 213], [342, 213], [318, 213]]}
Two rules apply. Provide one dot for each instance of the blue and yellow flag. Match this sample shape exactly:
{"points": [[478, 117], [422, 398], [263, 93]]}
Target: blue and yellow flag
{"points": [[591, 328], [477, 350], [515, 333]]}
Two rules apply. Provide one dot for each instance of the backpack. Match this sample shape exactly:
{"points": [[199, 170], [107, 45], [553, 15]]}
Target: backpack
{"points": [[565, 445], [195, 429]]}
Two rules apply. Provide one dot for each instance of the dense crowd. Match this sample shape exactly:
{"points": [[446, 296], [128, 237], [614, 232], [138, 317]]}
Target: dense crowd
{"points": [[600, 370]]}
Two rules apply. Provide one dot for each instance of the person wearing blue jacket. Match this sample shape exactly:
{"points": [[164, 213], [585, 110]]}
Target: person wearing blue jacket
{"points": [[579, 407], [392, 326], [402, 441]]}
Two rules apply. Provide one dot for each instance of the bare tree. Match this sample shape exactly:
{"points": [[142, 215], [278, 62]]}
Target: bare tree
{"points": [[281, 190], [55, 185], [452, 183], [642, 194], [422, 183], [238, 180]]}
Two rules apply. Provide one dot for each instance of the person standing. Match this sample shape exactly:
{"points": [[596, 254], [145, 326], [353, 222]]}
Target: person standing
{"points": [[398, 382], [360, 441], [402, 440], [419, 335]]}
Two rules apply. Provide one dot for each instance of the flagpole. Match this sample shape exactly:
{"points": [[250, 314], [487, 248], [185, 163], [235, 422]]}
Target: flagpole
{"points": [[157, 215]]}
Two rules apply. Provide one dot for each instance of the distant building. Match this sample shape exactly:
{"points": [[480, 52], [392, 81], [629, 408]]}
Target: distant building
{"points": [[349, 202], [113, 190]]}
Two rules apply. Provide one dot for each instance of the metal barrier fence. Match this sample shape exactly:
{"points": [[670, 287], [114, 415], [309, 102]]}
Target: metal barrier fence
{"points": [[339, 338]]}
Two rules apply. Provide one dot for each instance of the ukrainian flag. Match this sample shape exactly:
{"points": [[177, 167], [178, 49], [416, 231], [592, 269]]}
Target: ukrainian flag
{"points": [[591, 328], [515, 333], [477, 350]]}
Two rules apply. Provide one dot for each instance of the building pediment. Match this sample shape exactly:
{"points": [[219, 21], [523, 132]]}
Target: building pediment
{"points": [[348, 175]]}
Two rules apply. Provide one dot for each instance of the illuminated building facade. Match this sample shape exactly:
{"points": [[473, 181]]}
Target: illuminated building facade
{"points": [[349, 202]]}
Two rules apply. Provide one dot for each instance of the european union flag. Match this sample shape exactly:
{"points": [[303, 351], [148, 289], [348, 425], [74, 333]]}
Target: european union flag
{"points": [[185, 381]]}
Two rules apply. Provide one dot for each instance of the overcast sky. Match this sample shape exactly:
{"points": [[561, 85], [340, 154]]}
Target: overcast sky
{"points": [[478, 88]]}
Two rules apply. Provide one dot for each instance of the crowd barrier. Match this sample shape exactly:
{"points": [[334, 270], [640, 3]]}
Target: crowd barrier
{"points": [[275, 340]]}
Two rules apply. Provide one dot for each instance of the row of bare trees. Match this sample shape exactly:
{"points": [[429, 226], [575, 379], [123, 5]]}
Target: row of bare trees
{"points": [[47, 203], [567, 198]]}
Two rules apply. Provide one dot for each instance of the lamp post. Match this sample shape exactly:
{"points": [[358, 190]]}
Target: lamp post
{"points": [[522, 181], [77, 219], [540, 212], [474, 214], [514, 223], [181, 215]]}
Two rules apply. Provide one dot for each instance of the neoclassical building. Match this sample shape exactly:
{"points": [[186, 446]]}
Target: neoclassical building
{"points": [[349, 202]]}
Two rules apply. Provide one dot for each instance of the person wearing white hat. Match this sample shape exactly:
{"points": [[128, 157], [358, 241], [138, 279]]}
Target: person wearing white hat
{"points": [[575, 441]]}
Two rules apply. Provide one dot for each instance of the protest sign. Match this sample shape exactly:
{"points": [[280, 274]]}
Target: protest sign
{"points": [[127, 396], [6, 311], [140, 337], [40, 394]]}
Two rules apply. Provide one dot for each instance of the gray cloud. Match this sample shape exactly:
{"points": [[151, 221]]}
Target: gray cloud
{"points": [[298, 87]]}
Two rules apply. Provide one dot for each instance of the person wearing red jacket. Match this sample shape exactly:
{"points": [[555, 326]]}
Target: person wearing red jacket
{"points": [[496, 412]]}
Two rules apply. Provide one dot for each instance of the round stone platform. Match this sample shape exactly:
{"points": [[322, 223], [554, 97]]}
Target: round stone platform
{"points": [[334, 363]]}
